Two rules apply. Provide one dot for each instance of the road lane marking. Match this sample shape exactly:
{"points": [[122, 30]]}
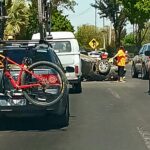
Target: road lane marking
{"points": [[115, 94], [145, 136]]}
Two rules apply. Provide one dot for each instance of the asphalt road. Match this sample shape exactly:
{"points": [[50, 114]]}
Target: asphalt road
{"points": [[106, 116]]}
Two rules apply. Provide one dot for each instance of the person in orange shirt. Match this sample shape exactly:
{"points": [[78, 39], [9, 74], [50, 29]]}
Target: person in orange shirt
{"points": [[121, 62]]}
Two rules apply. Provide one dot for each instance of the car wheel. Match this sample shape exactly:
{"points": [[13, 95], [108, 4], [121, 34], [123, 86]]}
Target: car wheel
{"points": [[104, 67], [63, 120], [134, 73], [144, 73], [77, 87]]}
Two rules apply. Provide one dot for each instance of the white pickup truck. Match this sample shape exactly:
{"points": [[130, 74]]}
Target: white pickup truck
{"points": [[67, 48]]}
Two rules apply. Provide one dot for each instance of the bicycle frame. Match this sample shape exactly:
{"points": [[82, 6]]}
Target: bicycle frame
{"points": [[17, 84]]}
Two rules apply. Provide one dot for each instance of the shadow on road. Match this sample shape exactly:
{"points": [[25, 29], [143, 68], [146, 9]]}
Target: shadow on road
{"points": [[31, 123]]}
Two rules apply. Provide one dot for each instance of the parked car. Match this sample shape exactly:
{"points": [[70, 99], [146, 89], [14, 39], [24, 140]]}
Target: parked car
{"points": [[17, 104], [67, 48], [140, 63]]}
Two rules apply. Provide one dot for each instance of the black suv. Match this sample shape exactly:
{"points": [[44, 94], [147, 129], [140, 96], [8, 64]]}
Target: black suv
{"points": [[18, 105]]}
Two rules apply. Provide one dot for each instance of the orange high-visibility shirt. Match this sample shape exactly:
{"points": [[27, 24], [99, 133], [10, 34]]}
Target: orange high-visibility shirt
{"points": [[121, 58]]}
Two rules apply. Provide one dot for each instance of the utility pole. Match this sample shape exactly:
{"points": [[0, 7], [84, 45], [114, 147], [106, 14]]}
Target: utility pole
{"points": [[104, 39], [110, 33], [95, 17]]}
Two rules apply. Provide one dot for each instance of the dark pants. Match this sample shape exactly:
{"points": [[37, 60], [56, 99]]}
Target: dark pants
{"points": [[121, 71]]}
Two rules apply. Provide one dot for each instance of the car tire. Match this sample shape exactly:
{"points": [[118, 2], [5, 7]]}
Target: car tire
{"points": [[104, 67], [77, 88], [134, 73], [144, 73], [63, 120]]}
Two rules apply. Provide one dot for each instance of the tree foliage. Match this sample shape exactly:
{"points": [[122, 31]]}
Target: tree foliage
{"points": [[59, 4], [18, 18], [33, 25], [147, 34], [138, 13], [129, 39], [144, 6], [60, 22], [86, 33], [23, 21], [112, 9]]}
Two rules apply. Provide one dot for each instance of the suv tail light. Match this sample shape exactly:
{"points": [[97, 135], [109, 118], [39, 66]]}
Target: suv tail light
{"points": [[76, 70], [52, 78]]}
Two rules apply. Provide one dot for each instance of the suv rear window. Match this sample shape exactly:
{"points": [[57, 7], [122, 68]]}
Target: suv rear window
{"points": [[36, 55]]}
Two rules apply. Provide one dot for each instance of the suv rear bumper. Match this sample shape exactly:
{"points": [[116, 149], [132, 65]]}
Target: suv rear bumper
{"points": [[32, 110], [74, 81]]}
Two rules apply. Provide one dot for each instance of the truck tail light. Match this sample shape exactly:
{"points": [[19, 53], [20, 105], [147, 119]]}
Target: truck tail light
{"points": [[76, 69]]}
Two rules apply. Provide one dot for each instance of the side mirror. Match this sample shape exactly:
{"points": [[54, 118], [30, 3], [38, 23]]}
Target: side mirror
{"points": [[69, 69], [147, 53]]}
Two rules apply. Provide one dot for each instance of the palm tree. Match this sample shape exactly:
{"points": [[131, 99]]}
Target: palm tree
{"points": [[17, 18]]}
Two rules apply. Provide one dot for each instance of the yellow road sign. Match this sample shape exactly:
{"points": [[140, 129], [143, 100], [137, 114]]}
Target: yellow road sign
{"points": [[93, 43]]}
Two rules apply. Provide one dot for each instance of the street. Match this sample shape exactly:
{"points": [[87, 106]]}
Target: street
{"points": [[107, 115]]}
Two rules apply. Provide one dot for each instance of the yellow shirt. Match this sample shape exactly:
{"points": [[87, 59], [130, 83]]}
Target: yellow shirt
{"points": [[121, 58]]}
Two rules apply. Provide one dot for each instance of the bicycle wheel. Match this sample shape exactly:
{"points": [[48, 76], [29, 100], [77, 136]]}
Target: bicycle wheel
{"points": [[52, 84]]}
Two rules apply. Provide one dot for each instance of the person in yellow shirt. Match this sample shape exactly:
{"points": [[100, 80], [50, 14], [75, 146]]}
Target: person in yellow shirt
{"points": [[121, 62]]}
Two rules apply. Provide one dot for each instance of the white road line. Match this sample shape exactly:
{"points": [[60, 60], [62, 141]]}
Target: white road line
{"points": [[145, 136], [115, 94]]}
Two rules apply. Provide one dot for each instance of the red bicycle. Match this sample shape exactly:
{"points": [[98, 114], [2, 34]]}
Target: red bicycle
{"points": [[42, 83]]}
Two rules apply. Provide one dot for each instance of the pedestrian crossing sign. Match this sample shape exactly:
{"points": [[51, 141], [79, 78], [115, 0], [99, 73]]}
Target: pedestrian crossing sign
{"points": [[93, 43]]}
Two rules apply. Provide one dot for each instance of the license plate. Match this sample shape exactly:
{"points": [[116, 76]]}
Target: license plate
{"points": [[13, 102], [18, 102]]}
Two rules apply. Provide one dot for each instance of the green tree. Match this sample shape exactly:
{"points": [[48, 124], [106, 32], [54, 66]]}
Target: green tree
{"points": [[113, 10], [33, 24], [18, 18], [60, 22], [147, 33], [138, 13], [67, 4], [86, 33], [129, 40], [144, 6]]}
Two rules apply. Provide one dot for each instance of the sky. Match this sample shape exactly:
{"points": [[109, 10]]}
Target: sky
{"points": [[85, 14]]}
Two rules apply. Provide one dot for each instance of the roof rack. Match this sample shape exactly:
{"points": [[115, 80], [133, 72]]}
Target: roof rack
{"points": [[20, 41], [23, 42]]}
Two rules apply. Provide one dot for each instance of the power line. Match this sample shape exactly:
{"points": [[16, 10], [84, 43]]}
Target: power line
{"points": [[82, 13]]}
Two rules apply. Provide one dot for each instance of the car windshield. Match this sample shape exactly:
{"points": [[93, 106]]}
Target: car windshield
{"points": [[61, 46], [36, 55]]}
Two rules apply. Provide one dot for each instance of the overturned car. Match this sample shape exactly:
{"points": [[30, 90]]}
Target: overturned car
{"points": [[94, 68]]}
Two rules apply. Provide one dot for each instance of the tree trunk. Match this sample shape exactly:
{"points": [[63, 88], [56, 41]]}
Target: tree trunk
{"points": [[139, 37], [117, 38]]}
